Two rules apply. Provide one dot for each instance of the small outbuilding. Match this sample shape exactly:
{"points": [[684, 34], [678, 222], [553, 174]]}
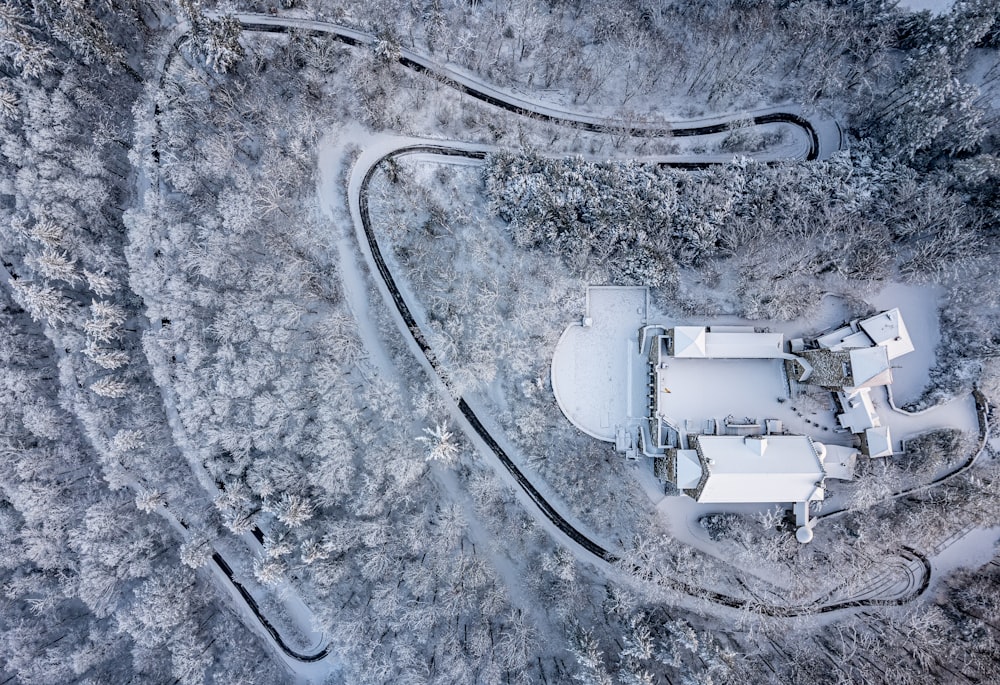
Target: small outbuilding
{"points": [[889, 331], [877, 442]]}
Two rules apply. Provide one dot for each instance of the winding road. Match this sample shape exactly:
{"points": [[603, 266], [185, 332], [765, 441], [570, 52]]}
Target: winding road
{"points": [[359, 197], [819, 141]]}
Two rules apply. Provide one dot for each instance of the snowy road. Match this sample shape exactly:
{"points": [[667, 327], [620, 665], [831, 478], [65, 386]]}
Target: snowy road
{"points": [[821, 140], [818, 139], [815, 140]]}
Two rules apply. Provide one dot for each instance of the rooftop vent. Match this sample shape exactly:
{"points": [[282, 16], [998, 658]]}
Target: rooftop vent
{"points": [[756, 444]]}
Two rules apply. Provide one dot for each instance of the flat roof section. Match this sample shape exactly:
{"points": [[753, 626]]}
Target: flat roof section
{"points": [[598, 377], [725, 342], [743, 345], [699, 389]]}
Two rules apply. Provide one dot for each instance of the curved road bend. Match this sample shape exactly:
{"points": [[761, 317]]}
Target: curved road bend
{"points": [[983, 415], [454, 79], [220, 562], [272, 631], [550, 512]]}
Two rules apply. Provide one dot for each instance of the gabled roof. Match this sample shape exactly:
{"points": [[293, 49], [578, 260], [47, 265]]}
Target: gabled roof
{"points": [[775, 468], [878, 442], [870, 367], [888, 330], [689, 341], [688, 469], [859, 412]]}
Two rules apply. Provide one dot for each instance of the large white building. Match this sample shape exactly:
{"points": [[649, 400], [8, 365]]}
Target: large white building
{"points": [[753, 468], [599, 380]]}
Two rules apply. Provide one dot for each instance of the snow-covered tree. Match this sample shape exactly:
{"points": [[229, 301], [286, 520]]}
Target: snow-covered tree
{"points": [[48, 233], [222, 44], [441, 443], [56, 266], [105, 358], [110, 387], [9, 103], [149, 500], [196, 551], [106, 319], [589, 659], [313, 550], [100, 283], [44, 303], [294, 510], [269, 571]]}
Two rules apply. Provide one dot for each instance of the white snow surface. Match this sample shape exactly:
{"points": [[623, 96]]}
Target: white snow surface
{"points": [[828, 132], [597, 371], [333, 154], [933, 6], [918, 305]]}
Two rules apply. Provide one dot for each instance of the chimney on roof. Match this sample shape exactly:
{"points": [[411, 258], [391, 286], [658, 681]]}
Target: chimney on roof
{"points": [[756, 444]]}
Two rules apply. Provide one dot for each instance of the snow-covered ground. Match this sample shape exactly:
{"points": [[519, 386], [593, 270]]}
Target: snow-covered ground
{"points": [[599, 378], [701, 389], [918, 305]]}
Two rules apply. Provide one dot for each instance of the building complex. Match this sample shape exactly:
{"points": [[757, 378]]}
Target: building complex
{"points": [[740, 458]]}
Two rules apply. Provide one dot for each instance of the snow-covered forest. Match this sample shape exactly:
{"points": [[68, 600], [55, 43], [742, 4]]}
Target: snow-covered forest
{"points": [[280, 288]]}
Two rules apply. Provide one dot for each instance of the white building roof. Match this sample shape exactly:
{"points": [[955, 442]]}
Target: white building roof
{"points": [[688, 469], [839, 462], [859, 339], [888, 330], [870, 367], [834, 339], [776, 468], [689, 341], [859, 412], [879, 441], [726, 342], [727, 345]]}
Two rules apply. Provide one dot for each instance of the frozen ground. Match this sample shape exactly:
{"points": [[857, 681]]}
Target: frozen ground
{"points": [[960, 413]]}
